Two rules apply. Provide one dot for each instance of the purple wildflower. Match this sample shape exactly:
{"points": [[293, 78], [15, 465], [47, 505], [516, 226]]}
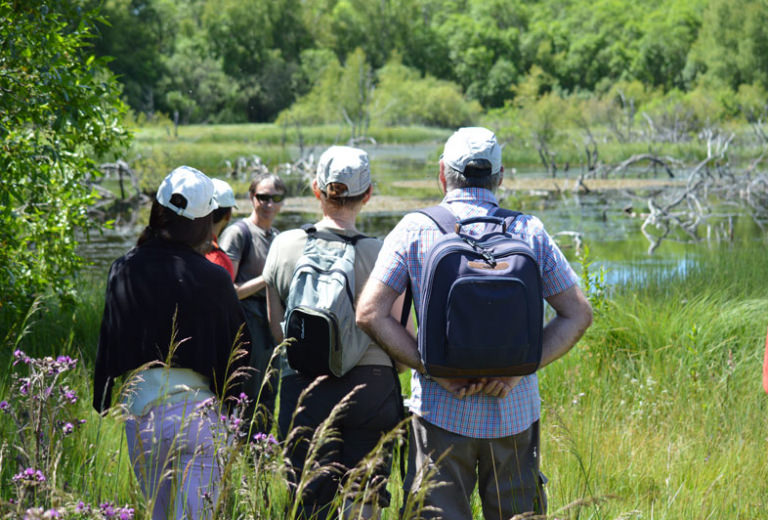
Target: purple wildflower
{"points": [[24, 388], [4, 406], [107, 509], [20, 357], [67, 428], [29, 475], [69, 395], [125, 513], [263, 437]]}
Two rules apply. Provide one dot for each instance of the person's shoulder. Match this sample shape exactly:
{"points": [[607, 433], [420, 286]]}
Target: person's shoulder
{"points": [[369, 243], [289, 236], [231, 231], [529, 223]]}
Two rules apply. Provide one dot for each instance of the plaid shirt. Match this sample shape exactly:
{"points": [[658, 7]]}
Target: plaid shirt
{"points": [[401, 258]]}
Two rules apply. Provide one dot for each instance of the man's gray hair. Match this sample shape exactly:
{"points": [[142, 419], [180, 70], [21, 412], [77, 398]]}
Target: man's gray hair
{"points": [[455, 179]]}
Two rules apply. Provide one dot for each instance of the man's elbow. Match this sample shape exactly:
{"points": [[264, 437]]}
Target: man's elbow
{"points": [[364, 316], [585, 317]]}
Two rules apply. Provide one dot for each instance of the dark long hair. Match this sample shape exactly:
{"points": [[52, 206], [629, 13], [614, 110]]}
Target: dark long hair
{"points": [[167, 225]]}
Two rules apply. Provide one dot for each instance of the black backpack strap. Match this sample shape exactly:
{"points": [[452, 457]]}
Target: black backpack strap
{"points": [[405, 313], [505, 214], [310, 229], [248, 245], [441, 216]]}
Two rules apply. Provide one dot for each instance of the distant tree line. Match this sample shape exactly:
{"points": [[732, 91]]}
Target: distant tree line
{"points": [[429, 62]]}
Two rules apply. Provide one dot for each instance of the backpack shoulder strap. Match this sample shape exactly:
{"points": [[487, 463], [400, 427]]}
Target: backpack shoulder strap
{"points": [[505, 213], [311, 230], [248, 245], [441, 216]]}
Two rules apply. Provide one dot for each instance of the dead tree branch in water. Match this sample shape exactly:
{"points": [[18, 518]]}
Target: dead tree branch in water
{"points": [[665, 162], [122, 207], [713, 201]]}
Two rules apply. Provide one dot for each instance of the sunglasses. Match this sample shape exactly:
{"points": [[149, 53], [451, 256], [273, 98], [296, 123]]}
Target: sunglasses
{"points": [[265, 197]]}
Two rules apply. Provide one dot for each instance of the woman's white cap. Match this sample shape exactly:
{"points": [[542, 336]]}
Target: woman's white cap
{"points": [[194, 186], [347, 165], [223, 194]]}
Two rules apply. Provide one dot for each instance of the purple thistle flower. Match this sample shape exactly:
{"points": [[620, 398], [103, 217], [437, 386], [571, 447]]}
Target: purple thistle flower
{"points": [[29, 475], [107, 509], [67, 428], [24, 388], [125, 513], [69, 395], [51, 513], [4, 406], [20, 356]]}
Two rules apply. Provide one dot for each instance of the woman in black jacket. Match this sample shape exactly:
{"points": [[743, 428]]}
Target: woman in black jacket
{"points": [[171, 322]]}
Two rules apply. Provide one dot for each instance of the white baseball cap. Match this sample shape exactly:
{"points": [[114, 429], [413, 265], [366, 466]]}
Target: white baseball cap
{"points": [[223, 194], [194, 186], [472, 144], [347, 165]]}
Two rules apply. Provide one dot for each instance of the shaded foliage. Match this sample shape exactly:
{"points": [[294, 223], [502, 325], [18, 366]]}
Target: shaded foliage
{"points": [[59, 110]]}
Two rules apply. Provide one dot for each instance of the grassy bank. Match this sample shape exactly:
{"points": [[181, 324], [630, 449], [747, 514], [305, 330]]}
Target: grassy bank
{"points": [[657, 413], [215, 149]]}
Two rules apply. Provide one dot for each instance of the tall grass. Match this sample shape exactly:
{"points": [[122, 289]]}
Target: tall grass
{"points": [[657, 413], [659, 410]]}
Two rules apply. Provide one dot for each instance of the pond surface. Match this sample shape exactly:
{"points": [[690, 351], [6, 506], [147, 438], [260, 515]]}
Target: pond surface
{"points": [[406, 178]]}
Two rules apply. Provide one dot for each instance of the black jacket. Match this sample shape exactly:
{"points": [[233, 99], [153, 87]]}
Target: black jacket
{"points": [[145, 289]]}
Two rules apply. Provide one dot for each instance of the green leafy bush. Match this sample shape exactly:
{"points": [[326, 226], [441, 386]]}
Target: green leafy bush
{"points": [[59, 110]]}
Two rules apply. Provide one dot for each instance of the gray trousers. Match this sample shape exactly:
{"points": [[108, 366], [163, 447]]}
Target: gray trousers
{"points": [[443, 468]]}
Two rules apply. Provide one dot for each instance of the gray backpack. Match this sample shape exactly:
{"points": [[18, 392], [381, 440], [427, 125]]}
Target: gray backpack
{"points": [[320, 309]]}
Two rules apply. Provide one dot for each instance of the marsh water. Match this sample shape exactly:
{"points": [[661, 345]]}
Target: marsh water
{"points": [[405, 179]]}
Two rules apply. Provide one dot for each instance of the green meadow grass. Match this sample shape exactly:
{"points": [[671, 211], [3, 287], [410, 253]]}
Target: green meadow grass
{"points": [[158, 149], [657, 413]]}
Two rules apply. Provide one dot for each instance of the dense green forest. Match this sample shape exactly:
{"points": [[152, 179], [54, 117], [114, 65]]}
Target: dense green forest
{"points": [[433, 62]]}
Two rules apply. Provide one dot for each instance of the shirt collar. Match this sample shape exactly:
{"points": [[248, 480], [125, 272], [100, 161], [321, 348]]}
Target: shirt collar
{"points": [[472, 195]]}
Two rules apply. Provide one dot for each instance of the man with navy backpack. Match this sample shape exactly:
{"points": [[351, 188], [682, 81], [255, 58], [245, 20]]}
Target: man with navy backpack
{"points": [[470, 430]]}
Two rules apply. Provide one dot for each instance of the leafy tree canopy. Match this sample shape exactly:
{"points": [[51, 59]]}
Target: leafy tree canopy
{"points": [[59, 109]]}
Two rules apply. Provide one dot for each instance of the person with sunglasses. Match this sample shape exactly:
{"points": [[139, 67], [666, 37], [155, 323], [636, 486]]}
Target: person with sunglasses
{"points": [[247, 243]]}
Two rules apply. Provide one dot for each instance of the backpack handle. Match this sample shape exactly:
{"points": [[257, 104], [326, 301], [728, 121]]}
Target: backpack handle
{"points": [[487, 219]]}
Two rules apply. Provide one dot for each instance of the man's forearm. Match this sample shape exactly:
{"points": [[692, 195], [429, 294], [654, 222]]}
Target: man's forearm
{"points": [[387, 332], [374, 316], [250, 287]]}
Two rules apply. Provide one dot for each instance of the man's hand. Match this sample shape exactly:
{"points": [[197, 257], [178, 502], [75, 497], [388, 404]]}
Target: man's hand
{"points": [[500, 386], [460, 387]]}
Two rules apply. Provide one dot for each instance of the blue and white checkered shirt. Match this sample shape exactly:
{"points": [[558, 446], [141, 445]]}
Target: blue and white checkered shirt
{"points": [[401, 258]]}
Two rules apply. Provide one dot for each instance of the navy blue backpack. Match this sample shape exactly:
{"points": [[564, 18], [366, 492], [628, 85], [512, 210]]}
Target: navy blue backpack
{"points": [[481, 308]]}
